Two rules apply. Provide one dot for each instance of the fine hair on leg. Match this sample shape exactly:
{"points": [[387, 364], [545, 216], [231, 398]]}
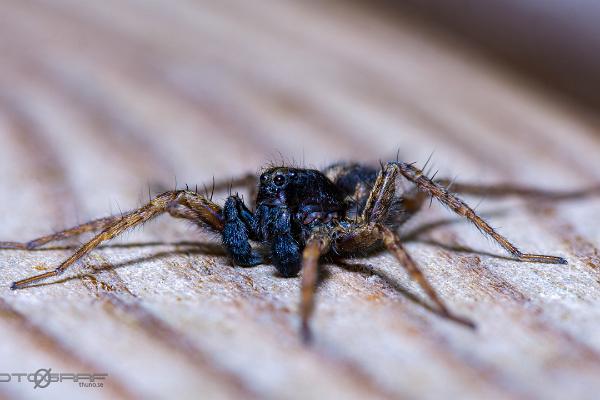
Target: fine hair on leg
{"points": [[201, 210], [317, 245], [455, 204], [92, 226]]}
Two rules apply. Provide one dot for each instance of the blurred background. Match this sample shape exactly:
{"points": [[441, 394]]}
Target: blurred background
{"points": [[101, 102], [554, 42]]}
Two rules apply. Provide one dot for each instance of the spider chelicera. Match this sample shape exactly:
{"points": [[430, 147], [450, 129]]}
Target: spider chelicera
{"points": [[301, 215]]}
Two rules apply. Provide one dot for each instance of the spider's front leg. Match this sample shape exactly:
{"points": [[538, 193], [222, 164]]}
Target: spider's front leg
{"points": [[91, 226], [286, 252], [180, 203], [240, 226], [317, 245]]}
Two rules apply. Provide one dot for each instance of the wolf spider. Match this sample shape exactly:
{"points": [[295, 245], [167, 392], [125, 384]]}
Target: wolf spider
{"points": [[302, 215]]}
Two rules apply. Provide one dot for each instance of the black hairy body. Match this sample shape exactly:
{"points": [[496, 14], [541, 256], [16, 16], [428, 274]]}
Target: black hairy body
{"points": [[301, 215], [290, 203]]}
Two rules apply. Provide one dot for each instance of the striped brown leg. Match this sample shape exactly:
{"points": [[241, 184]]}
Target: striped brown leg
{"points": [[392, 243], [247, 182], [202, 210], [175, 210], [317, 245], [381, 196], [368, 235], [440, 193], [92, 226]]}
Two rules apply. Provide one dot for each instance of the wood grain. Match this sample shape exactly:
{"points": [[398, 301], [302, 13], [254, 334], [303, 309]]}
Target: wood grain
{"points": [[101, 100]]}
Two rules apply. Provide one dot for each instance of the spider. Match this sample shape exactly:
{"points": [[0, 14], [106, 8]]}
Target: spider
{"points": [[301, 215]]}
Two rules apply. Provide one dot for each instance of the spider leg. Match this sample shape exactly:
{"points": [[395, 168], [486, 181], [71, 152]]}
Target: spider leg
{"points": [[240, 226], [507, 189], [175, 210], [442, 194], [393, 244], [369, 235], [286, 251], [202, 209], [317, 245], [91, 226], [381, 196]]}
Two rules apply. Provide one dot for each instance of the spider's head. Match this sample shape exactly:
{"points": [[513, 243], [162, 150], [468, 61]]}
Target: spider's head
{"points": [[297, 187], [277, 185]]}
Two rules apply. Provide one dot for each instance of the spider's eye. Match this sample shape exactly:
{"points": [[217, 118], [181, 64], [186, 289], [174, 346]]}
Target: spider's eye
{"points": [[263, 178], [279, 180], [293, 175]]}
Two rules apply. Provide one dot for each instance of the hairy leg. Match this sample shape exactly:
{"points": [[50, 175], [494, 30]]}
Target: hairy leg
{"points": [[317, 245], [240, 227], [366, 236], [175, 210], [286, 252], [381, 196], [202, 208], [92, 226], [392, 242], [442, 194]]}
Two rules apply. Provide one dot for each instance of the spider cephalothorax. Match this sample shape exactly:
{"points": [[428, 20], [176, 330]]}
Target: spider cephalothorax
{"points": [[303, 214], [290, 203]]}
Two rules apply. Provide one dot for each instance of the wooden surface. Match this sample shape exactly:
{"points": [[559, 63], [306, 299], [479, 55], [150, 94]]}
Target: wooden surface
{"points": [[100, 100]]}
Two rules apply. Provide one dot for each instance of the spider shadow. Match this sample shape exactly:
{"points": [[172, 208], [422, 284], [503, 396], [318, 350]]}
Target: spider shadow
{"points": [[187, 248], [210, 246], [416, 236], [392, 282]]}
